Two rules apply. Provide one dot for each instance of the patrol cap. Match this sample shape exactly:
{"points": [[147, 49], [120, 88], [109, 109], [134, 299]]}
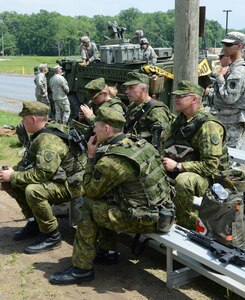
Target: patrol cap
{"points": [[234, 37], [144, 41], [85, 39], [110, 116], [94, 87], [136, 78], [57, 67], [34, 108], [42, 66], [187, 87]]}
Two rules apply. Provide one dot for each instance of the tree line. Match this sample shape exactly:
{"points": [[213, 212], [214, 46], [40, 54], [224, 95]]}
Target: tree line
{"points": [[50, 33]]}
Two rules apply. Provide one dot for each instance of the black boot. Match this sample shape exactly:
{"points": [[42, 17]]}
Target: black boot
{"points": [[46, 242], [104, 257], [30, 230], [71, 276]]}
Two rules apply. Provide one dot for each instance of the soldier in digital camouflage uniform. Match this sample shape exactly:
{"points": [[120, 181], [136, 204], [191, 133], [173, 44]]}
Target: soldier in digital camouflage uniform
{"points": [[40, 81], [48, 174], [195, 151], [154, 113], [89, 51], [127, 190], [101, 95], [229, 91], [60, 89], [148, 53]]}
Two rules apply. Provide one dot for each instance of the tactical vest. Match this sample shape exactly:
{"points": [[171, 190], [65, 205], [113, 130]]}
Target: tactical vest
{"points": [[143, 198], [140, 128], [219, 102], [182, 134], [71, 167]]}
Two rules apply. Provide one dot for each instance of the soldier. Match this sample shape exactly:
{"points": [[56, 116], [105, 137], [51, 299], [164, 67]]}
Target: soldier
{"points": [[120, 196], [40, 81], [145, 113], [60, 89], [89, 51], [148, 52], [195, 151], [48, 174], [101, 95], [229, 97], [137, 37]]}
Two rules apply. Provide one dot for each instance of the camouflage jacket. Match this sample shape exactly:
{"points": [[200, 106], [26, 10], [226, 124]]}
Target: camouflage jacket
{"points": [[49, 159], [229, 94], [41, 85], [149, 55], [207, 139], [90, 53], [59, 87], [158, 114], [129, 174]]}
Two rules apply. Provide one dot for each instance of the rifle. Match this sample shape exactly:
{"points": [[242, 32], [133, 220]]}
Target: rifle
{"points": [[78, 139], [225, 253]]}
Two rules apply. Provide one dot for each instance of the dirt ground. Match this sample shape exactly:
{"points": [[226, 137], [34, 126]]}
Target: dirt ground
{"points": [[25, 276]]}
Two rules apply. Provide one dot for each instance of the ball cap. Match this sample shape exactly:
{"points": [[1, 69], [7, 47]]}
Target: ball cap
{"points": [[94, 87], [110, 116], [234, 38], [136, 78], [187, 87], [34, 108]]}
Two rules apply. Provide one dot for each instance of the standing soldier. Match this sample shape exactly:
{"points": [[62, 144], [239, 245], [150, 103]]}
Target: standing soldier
{"points": [[229, 95], [40, 81], [60, 89]]}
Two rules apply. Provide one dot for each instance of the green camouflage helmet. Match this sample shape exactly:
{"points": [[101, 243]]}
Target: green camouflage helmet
{"points": [[110, 116], [136, 78], [187, 87], [94, 87], [34, 108]]}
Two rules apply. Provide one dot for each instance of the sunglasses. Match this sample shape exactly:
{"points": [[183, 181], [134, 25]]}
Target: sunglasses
{"points": [[228, 44]]}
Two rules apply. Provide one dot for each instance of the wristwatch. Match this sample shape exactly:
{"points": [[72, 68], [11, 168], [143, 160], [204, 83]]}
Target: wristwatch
{"points": [[178, 167]]}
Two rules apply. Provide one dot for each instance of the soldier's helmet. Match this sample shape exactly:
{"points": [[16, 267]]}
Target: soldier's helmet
{"points": [[139, 33], [144, 41], [85, 39]]}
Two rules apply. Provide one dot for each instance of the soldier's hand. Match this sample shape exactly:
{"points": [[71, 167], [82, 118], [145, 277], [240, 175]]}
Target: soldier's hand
{"points": [[87, 111], [83, 64], [92, 146], [5, 175], [169, 164]]}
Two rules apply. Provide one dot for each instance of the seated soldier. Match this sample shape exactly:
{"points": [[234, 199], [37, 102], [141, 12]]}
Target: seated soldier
{"points": [[127, 190], [49, 173], [195, 151], [145, 113]]}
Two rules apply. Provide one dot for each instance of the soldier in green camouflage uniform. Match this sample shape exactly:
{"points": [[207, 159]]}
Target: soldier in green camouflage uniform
{"points": [[153, 112], [195, 151], [48, 174], [102, 96], [127, 190]]}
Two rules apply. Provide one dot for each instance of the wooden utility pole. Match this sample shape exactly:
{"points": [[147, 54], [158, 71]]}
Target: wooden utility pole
{"points": [[186, 41]]}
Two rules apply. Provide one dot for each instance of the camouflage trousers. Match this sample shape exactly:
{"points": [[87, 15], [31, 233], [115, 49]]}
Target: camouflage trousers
{"points": [[43, 99], [101, 223], [188, 185], [62, 110], [35, 200], [235, 135]]}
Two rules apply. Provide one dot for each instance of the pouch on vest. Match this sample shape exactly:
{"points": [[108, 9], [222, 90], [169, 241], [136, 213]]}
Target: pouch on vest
{"points": [[179, 153], [223, 221]]}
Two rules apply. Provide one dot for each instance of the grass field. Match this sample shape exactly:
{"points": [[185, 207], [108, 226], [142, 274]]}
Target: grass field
{"points": [[24, 64], [9, 145]]}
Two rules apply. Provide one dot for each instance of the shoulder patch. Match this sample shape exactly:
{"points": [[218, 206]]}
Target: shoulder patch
{"points": [[214, 139], [48, 155]]}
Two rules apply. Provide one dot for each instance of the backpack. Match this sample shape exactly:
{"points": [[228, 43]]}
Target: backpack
{"points": [[224, 221]]}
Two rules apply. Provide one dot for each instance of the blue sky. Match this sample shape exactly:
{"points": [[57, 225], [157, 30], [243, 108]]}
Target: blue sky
{"points": [[214, 8]]}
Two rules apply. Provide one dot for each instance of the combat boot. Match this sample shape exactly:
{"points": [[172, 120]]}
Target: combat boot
{"points": [[46, 242], [30, 230], [106, 257], [71, 276]]}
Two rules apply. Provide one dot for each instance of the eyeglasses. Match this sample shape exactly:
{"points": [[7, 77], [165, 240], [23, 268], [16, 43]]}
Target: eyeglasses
{"points": [[229, 44], [183, 96]]}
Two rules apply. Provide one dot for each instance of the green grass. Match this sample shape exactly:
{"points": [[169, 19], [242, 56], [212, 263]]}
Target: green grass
{"points": [[9, 145], [24, 64]]}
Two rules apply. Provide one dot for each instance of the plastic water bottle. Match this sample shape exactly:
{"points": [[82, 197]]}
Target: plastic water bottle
{"points": [[220, 192]]}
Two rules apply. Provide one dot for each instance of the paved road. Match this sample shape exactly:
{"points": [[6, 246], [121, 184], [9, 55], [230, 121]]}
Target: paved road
{"points": [[14, 90]]}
